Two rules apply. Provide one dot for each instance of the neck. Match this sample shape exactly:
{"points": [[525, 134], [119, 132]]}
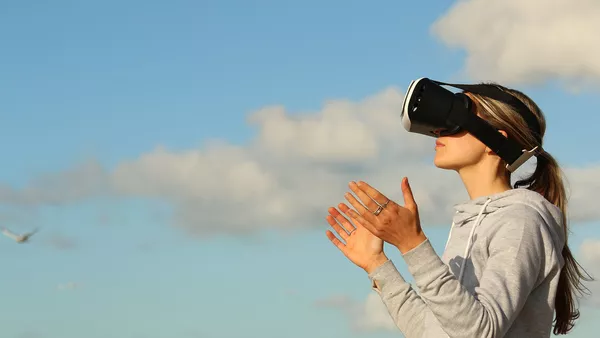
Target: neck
{"points": [[482, 180]]}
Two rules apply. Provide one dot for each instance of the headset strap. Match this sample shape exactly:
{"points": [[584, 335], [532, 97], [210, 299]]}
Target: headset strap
{"points": [[496, 93], [505, 147]]}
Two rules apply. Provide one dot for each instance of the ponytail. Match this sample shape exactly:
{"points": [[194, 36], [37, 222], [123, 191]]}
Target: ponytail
{"points": [[547, 180]]}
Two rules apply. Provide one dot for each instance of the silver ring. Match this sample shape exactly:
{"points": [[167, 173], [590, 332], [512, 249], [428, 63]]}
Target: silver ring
{"points": [[380, 208]]}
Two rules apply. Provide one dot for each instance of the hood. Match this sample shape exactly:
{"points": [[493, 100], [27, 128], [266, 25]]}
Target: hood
{"points": [[468, 211]]}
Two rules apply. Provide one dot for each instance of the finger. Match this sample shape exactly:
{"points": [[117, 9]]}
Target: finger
{"points": [[368, 215], [409, 199], [338, 229], [345, 224], [345, 210], [336, 241], [364, 197], [358, 219], [372, 192]]}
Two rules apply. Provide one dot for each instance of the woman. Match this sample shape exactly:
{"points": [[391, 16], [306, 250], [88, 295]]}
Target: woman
{"points": [[506, 268]]}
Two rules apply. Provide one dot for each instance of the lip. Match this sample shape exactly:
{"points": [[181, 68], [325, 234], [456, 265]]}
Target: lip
{"points": [[439, 144]]}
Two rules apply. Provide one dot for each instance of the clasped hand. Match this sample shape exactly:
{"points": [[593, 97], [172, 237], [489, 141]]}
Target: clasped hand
{"points": [[362, 233]]}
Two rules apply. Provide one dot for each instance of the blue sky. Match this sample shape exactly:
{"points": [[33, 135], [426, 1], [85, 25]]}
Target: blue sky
{"points": [[108, 82]]}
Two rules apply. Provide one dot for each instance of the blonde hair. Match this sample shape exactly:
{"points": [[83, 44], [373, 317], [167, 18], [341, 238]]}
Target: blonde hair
{"points": [[547, 180]]}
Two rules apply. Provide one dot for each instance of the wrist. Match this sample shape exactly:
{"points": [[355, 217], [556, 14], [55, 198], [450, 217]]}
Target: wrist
{"points": [[375, 263], [412, 243]]}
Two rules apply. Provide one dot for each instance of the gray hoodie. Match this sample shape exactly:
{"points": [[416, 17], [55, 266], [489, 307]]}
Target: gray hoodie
{"points": [[505, 287]]}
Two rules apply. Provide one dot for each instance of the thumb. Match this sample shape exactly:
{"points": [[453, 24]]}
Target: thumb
{"points": [[409, 199]]}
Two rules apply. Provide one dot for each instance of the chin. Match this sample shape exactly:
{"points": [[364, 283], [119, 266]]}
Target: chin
{"points": [[444, 164]]}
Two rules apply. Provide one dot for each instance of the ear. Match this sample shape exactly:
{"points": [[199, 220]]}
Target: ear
{"points": [[488, 150]]}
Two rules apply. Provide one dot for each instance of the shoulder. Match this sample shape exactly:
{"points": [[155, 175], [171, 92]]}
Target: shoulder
{"points": [[524, 227], [517, 219], [527, 208], [518, 213]]}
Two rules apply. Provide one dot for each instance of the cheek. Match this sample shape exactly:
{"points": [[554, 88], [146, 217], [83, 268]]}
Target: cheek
{"points": [[466, 148]]}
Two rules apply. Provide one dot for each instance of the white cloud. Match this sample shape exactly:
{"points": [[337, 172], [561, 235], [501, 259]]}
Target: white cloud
{"points": [[71, 185], [296, 167], [590, 260], [343, 131], [515, 41], [375, 315], [369, 315], [583, 183]]}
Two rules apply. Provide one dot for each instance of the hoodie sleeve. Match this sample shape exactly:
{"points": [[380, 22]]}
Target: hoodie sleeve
{"points": [[516, 255], [406, 308]]}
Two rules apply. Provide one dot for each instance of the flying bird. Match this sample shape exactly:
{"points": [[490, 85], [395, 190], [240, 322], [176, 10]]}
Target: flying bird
{"points": [[18, 238]]}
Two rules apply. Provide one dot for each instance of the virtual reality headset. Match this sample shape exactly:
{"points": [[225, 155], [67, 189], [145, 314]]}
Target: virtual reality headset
{"points": [[433, 110]]}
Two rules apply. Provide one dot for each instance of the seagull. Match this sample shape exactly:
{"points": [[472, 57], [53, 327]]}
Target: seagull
{"points": [[18, 238]]}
